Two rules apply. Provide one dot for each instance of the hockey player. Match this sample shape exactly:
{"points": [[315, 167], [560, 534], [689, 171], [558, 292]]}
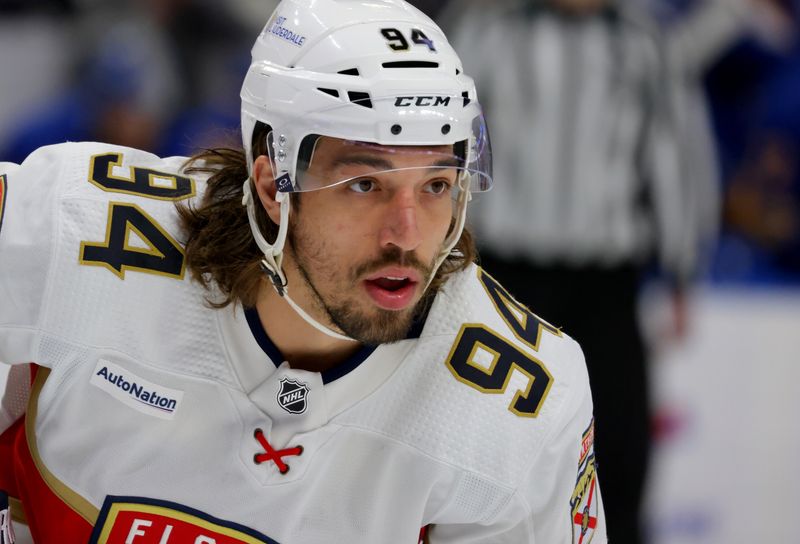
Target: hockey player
{"points": [[291, 343]]}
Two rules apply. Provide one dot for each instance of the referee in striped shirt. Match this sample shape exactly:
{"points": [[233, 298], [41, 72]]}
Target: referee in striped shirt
{"points": [[589, 192]]}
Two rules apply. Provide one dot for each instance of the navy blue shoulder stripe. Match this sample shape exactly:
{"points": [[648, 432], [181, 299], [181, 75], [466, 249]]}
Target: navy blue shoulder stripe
{"points": [[272, 351], [263, 341]]}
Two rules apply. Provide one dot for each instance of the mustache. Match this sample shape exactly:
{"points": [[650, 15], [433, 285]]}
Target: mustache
{"points": [[393, 256]]}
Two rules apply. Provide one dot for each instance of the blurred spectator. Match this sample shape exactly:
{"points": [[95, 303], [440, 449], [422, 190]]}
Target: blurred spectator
{"points": [[589, 192], [35, 48], [694, 39], [124, 88], [753, 93], [762, 207], [146, 75], [211, 44]]}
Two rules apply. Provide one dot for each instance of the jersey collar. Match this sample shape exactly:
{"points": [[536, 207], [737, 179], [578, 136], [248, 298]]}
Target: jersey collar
{"points": [[272, 351], [254, 358]]}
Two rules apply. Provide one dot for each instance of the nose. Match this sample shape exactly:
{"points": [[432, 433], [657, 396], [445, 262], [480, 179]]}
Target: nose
{"points": [[400, 221]]}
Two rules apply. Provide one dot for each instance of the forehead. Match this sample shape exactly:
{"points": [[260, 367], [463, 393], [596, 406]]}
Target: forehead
{"points": [[333, 151]]}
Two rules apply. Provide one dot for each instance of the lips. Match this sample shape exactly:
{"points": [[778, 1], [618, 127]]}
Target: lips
{"points": [[393, 288]]}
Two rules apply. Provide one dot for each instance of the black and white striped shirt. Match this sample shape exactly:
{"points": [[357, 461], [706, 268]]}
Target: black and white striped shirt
{"points": [[585, 149]]}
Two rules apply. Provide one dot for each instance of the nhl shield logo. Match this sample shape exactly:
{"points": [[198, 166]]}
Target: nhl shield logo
{"points": [[293, 396]]}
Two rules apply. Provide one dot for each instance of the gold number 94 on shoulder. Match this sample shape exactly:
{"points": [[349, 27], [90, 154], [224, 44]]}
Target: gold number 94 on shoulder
{"points": [[484, 360], [155, 253], [134, 239]]}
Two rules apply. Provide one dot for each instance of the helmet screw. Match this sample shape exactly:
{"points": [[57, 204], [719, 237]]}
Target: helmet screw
{"points": [[282, 140], [281, 155], [396, 129], [446, 129]]}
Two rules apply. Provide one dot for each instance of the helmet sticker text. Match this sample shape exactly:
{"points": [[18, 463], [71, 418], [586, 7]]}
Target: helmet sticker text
{"points": [[286, 34]]}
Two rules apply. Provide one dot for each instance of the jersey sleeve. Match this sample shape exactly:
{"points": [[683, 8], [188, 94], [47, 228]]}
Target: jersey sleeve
{"points": [[562, 487], [558, 500], [78, 217], [27, 238]]}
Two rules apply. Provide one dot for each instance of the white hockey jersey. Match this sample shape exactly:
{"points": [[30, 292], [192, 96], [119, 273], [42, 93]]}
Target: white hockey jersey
{"points": [[155, 419]]}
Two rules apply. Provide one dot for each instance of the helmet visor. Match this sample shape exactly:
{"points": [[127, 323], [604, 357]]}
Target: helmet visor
{"points": [[437, 148]]}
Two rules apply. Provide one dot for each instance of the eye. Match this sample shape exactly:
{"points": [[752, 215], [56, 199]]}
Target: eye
{"points": [[363, 185], [438, 186]]}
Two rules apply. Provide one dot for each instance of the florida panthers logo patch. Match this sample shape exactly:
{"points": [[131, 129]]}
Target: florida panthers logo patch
{"points": [[137, 520], [584, 502], [293, 396], [3, 191]]}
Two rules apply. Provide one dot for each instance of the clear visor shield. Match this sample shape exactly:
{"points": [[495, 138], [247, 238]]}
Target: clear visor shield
{"points": [[440, 148]]}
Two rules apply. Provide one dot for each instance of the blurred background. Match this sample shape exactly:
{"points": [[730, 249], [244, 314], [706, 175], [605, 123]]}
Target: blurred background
{"points": [[718, 304]]}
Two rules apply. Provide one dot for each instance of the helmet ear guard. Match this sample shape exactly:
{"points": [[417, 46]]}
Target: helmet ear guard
{"points": [[273, 251]]}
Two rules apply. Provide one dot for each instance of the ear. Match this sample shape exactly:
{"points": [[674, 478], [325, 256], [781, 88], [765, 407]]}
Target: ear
{"points": [[266, 188]]}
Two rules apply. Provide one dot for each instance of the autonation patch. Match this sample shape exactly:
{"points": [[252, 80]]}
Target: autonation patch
{"points": [[139, 394]]}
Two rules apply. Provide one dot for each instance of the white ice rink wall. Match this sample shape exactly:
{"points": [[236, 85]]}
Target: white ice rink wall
{"points": [[727, 397]]}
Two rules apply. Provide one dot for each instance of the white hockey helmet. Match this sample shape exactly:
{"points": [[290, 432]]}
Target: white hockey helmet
{"points": [[364, 71]]}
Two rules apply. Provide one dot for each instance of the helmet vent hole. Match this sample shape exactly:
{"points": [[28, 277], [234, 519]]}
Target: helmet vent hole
{"points": [[362, 99], [465, 96], [446, 129], [332, 92], [411, 64], [458, 72], [396, 129], [350, 72]]}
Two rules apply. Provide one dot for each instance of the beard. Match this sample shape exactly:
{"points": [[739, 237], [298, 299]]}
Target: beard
{"points": [[337, 298]]}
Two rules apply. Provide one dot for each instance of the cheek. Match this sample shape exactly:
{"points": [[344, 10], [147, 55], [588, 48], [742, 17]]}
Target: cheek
{"points": [[439, 222], [340, 228], [339, 241]]}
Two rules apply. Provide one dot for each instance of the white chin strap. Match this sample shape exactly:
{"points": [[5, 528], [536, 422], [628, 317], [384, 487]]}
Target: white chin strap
{"points": [[464, 196], [273, 256]]}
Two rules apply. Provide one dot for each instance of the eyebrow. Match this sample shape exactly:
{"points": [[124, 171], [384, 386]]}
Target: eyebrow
{"points": [[377, 162]]}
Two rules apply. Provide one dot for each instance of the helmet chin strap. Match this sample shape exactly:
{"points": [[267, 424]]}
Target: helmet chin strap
{"points": [[271, 264], [464, 196]]}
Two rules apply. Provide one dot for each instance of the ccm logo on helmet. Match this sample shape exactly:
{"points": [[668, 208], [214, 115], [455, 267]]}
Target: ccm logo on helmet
{"points": [[406, 101]]}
